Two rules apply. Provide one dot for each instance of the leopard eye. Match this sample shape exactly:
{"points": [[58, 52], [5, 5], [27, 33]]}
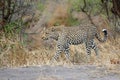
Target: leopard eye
{"points": [[46, 33]]}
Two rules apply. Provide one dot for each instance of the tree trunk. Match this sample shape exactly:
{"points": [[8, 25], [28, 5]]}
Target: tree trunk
{"points": [[116, 7]]}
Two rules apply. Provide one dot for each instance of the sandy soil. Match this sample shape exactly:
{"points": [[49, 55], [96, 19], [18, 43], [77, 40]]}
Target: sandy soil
{"points": [[76, 72]]}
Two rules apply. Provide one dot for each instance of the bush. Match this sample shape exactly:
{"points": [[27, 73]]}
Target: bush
{"points": [[12, 28]]}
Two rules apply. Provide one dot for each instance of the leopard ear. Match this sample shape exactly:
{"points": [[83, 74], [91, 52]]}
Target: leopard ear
{"points": [[52, 29], [56, 28]]}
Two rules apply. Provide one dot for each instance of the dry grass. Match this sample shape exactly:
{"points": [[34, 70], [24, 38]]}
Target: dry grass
{"points": [[13, 54]]}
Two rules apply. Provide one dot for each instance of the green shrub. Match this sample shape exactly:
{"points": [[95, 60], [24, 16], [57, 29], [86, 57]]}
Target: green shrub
{"points": [[72, 22], [40, 6], [12, 28], [76, 4]]}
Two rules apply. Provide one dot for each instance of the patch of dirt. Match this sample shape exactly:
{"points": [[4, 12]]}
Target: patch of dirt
{"points": [[76, 72]]}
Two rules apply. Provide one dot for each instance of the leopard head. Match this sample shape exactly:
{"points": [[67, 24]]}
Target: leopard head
{"points": [[50, 33]]}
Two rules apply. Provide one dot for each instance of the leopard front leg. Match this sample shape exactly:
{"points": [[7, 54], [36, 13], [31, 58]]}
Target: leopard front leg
{"points": [[67, 55], [58, 52]]}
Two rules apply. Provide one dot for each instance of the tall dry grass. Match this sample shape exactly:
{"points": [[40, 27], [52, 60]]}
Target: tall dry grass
{"points": [[14, 54]]}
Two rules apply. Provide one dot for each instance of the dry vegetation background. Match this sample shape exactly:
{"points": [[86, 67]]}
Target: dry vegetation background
{"points": [[21, 43]]}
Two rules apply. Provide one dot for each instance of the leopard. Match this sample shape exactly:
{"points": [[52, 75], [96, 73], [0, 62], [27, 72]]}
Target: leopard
{"points": [[66, 36]]}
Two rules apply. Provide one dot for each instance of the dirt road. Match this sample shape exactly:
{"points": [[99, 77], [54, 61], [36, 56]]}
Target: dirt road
{"points": [[77, 72]]}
